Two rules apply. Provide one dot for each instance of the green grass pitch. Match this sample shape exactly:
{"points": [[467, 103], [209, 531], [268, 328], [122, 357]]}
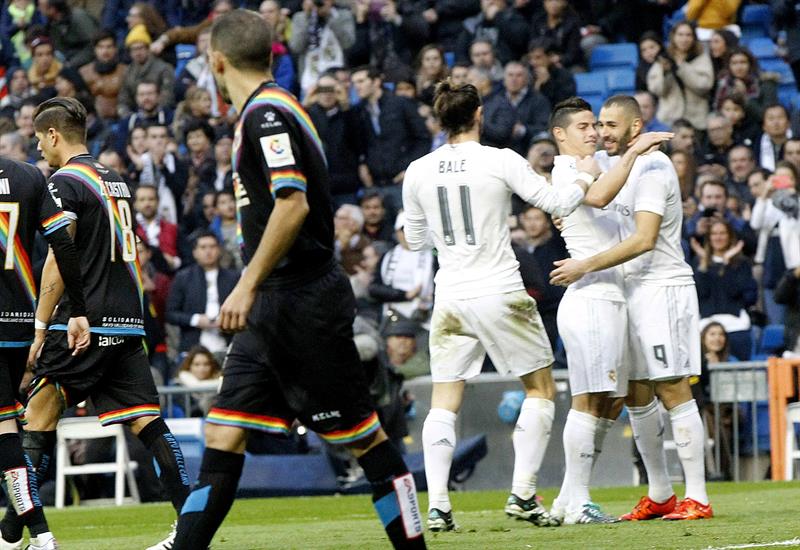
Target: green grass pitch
{"points": [[746, 514]]}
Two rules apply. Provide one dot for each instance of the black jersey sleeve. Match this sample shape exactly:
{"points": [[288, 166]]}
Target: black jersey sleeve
{"points": [[278, 138], [65, 195], [53, 224]]}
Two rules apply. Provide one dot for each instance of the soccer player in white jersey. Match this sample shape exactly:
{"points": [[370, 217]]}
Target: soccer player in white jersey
{"points": [[662, 314], [457, 199], [592, 318]]}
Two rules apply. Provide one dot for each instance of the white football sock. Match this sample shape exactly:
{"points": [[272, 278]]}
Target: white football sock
{"points": [[438, 443], [579, 437], [648, 432], [531, 434], [690, 436], [603, 426]]}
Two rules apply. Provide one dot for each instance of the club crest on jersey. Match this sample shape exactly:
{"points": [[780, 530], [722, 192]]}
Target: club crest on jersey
{"points": [[277, 150]]}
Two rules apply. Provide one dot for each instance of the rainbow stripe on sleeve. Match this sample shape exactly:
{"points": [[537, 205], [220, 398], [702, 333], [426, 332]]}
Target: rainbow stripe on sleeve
{"points": [[238, 419], [130, 413], [287, 178], [54, 223], [360, 431], [13, 411], [89, 177], [22, 264]]}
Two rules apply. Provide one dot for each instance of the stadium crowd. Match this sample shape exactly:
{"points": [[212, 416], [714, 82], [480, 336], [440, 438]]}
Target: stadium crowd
{"points": [[365, 70]]}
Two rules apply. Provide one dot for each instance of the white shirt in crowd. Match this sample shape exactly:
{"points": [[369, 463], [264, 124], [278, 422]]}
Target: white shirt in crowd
{"points": [[458, 199], [211, 338], [652, 186]]}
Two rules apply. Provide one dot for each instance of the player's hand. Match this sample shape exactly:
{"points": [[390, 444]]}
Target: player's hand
{"points": [[36, 348], [78, 335], [589, 165], [234, 312], [649, 142], [567, 272]]}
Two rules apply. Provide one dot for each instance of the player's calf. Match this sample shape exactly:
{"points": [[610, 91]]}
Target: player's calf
{"points": [[155, 434]]}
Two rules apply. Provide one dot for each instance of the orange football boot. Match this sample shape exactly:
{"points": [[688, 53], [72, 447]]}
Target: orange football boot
{"points": [[689, 508], [650, 509]]}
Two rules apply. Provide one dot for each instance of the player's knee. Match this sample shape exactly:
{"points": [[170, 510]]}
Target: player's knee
{"points": [[673, 392], [226, 438], [362, 446], [43, 410], [138, 424]]}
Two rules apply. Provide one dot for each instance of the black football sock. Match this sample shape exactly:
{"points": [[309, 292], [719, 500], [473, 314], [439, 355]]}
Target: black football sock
{"points": [[170, 466], [210, 501], [40, 448], [20, 484], [394, 495]]}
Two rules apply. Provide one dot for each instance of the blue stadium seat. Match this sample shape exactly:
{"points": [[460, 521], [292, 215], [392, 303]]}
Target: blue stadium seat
{"points": [[621, 81], [183, 52], [591, 83], [756, 20], [778, 66], [771, 339], [762, 48], [450, 58], [611, 56]]}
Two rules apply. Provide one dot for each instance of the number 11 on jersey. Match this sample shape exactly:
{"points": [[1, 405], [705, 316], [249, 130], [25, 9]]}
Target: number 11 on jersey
{"points": [[466, 213]]}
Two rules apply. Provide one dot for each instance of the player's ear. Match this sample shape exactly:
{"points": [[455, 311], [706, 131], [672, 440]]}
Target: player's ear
{"points": [[52, 136], [479, 114], [558, 133], [216, 61], [636, 126]]}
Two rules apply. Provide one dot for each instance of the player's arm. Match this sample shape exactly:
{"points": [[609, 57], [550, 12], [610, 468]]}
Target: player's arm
{"points": [[603, 191], [559, 201], [416, 228], [641, 241]]}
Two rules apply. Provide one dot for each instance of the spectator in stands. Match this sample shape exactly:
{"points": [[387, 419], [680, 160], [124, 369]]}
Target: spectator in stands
{"points": [[18, 89], [148, 111], [196, 295], [686, 169], [711, 16], [224, 225], [500, 25], [283, 69], [145, 66], [559, 23], [366, 307], [223, 145], [531, 109], [540, 248], [542, 154], [45, 67], [188, 34], [648, 104], [338, 126], [787, 293], [135, 147], [15, 20], [719, 47], [482, 56], [785, 17], [725, 285], [144, 13], [23, 119], [164, 170], [715, 347], [197, 74], [200, 370], [12, 145], [685, 136], [71, 29], [349, 241], [194, 109], [746, 127], [386, 33], [649, 49], [496, 128], [713, 208], [394, 132], [69, 83], [104, 75], [553, 82], [791, 152], [157, 232], [459, 72], [376, 226], [444, 19], [741, 75], [775, 133], [681, 78], [741, 164], [321, 34], [719, 140], [113, 160], [404, 281], [431, 69]]}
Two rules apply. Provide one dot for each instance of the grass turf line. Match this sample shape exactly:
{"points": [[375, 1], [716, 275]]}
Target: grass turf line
{"points": [[746, 513]]}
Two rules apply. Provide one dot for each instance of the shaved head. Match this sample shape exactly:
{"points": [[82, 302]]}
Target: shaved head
{"points": [[244, 38]]}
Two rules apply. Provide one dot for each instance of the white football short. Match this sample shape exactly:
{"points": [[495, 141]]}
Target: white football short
{"points": [[506, 326], [664, 331], [594, 332]]}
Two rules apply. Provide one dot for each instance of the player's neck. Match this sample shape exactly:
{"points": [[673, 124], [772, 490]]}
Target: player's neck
{"points": [[241, 85], [68, 151], [464, 137]]}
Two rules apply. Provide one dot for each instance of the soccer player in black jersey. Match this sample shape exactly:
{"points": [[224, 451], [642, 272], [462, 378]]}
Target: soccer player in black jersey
{"points": [[114, 370], [26, 206], [295, 356]]}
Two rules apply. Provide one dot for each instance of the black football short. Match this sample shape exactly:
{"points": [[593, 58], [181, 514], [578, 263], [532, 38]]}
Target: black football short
{"points": [[297, 360], [12, 369], [114, 372]]}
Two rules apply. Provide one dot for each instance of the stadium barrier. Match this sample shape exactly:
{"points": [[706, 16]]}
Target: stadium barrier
{"points": [[784, 386]]}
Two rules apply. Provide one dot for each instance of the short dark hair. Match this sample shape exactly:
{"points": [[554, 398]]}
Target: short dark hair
{"points": [[204, 233], [244, 38], [542, 43], [145, 186], [228, 192], [370, 194], [194, 124], [626, 102], [682, 123], [455, 106], [373, 72], [776, 106], [563, 111], [149, 82], [65, 114], [742, 146], [104, 34], [716, 182]]}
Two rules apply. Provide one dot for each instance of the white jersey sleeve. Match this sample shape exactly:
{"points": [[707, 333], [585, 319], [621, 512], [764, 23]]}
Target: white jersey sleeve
{"points": [[534, 189], [416, 228]]}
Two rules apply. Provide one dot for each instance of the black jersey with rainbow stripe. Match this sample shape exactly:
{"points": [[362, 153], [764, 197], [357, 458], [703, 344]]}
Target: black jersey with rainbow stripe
{"points": [[25, 207], [102, 204], [276, 148]]}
